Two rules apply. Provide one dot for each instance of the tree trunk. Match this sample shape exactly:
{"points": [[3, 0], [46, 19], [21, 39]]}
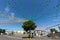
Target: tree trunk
{"points": [[32, 34], [29, 33]]}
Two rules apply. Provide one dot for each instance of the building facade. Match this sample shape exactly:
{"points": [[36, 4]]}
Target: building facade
{"points": [[40, 33]]}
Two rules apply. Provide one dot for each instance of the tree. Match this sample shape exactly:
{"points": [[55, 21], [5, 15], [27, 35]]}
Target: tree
{"points": [[0, 31], [3, 31], [28, 26], [53, 30]]}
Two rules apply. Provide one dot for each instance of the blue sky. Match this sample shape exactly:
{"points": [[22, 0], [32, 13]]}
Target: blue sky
{"points": [[44, 13]]}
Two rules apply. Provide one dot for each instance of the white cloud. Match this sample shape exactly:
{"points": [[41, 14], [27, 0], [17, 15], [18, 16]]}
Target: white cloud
{"points": [[12, 14], [7, 9], [11, 17]]}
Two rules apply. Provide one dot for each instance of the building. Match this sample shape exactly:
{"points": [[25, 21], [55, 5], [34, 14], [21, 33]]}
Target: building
{"points": [[14, 33], [20, 31], [9, 32], [40, 33]]}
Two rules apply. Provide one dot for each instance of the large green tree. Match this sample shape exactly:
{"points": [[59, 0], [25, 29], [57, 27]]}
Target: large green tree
{"points": [[28, 26]]}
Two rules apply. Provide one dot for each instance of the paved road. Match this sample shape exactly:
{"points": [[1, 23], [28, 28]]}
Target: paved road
{"points": [[2, 37]]}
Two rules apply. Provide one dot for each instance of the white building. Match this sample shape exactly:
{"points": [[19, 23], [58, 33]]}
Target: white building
{"points": [[8, 32], [20, 31], [40, 33]]}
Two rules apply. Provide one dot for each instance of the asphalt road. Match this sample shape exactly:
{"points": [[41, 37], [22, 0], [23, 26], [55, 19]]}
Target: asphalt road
{"points": [[4, 37]]}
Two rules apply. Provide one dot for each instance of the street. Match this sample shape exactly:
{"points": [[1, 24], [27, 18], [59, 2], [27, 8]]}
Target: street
{"points": [[4, 37]]}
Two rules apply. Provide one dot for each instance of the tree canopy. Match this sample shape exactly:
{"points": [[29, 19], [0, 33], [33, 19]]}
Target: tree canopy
{"points": [[29, 25], [2, 30], [53, 30]]}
